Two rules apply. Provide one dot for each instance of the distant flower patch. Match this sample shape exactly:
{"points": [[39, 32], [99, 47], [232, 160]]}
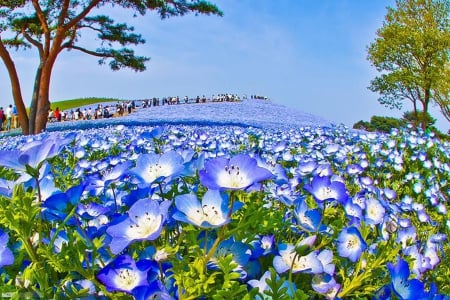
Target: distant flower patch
{"points": [[215, 212]]}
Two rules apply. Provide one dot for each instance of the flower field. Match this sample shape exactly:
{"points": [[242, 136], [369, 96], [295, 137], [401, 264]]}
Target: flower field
{"points": [[185, 211]]}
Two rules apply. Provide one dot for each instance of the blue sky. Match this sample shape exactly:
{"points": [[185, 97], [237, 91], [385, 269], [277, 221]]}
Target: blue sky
{"points": [[308, 55]]}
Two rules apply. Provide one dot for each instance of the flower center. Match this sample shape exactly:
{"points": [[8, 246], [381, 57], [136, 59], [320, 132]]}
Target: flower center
{"points": [[233, 177], [325, 193], [208, 213], [144, 225], [294, 261], [352, 242], [157, 170], [126, 279]]}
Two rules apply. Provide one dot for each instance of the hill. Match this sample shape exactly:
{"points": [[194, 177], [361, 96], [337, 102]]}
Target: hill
{"points": [[246, 113]]}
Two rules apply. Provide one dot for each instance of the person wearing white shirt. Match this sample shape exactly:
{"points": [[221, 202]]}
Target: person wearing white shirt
{"points": [[9, 113]]}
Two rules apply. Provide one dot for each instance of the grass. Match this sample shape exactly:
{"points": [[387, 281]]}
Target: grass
{"points": [[74, 103]]}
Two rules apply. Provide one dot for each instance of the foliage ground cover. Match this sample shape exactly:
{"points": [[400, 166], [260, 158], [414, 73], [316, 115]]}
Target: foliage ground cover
{"points": [[214, 211], [75, 103]]}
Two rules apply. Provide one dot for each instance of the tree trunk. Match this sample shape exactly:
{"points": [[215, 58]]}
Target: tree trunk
{"points": [[16, 90], [43, 103], [35, 97], [416, 115], [425, 109]]}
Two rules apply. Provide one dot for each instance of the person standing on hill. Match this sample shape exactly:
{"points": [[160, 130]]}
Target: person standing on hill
{"points": [[2, 118], [15, 118], [57, 115], [9, 117]]}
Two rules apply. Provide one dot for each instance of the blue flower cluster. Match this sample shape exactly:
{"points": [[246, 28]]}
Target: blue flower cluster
{"points": [[200, 212]]}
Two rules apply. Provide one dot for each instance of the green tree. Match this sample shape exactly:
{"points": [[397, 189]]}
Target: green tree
{"points": [[411, 51], [54, 26], [411, 118]]}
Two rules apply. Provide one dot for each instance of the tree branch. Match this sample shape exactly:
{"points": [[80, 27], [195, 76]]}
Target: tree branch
{"points": [[33, 42], [44, 25], [90, 52], [82, 14]]}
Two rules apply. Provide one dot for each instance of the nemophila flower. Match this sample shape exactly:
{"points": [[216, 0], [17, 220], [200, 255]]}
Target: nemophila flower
{"points": [[353, 212], [401, 285], [6, 187], [276, 169], [237, 173], [323, 283], [263, 245], [306, 167], [91, 210], [351, 244], [240, 252], [152, 167], [262, 286], [308, 219], [323, 189], [431, 253], [406, 235], [374, 212], [47, 187], [29, 159], [193, 162], [288, 258], [417, 187], [145, 221], [354, 169], [212, 212], [420, 263], [98, 185], [59, 205], [323, 169], [6, 256], [125, 275], [326, 258]]}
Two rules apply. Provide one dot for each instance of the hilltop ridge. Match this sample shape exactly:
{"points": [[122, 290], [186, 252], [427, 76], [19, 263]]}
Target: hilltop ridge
{"points": [[247, 113]]}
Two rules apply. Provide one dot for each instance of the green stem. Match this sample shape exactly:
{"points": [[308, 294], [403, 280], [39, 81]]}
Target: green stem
{"points": [[356, 281], [59, 229], [216, 244], [30, 250], [290, 271]]}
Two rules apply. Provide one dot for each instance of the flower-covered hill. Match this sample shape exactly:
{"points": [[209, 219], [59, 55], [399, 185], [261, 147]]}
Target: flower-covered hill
{"points": [[247, 113], [243, 200]]}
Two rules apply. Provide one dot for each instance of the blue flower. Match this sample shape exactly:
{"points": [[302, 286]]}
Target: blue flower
{"points": [[351, 244], [6, 256], [31, 157], [236, 173], [400, 285], [213, 212], [323, 189], [152, 167], [114, 174], [6, 187], [59, 204], [125, 275], [263, 245], [288, 258], [323, 283], [374, 212], [308, 219], [144, 222], [240, 252], [262, 286]]}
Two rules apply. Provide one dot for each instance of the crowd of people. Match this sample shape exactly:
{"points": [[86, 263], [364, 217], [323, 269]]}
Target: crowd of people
{"points": [[88, 113], [9, 117], [121, 108]]}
